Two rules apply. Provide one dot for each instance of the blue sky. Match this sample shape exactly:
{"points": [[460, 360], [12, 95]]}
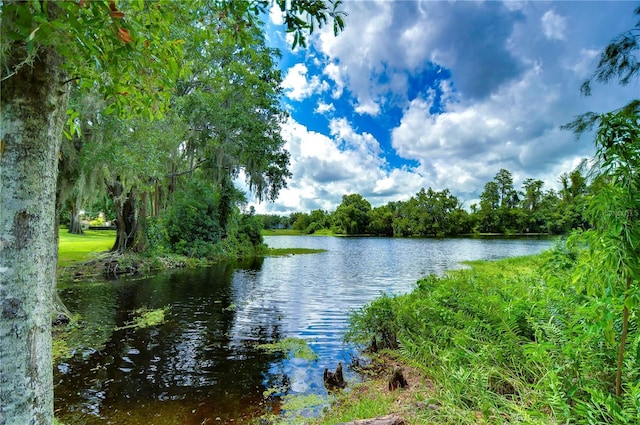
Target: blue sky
{"points": [[441, 94]]}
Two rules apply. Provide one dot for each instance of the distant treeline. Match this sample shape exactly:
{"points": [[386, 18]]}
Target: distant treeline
{"points": [[502, 209]]}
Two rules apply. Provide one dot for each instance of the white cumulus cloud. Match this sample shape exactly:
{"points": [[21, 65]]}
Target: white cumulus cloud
{"points": [[326, 167], [298, 87], [553, 25]]}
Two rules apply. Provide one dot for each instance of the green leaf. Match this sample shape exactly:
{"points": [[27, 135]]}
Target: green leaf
{"points": [[632, 301], [33, 33]]}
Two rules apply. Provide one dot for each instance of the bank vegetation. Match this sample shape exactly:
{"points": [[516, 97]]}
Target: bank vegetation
{"points": [[521, 340]]}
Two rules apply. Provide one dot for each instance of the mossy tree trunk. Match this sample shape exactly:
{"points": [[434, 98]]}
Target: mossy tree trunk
{"points": [[125, 204], [33, 109], [75, 225]]}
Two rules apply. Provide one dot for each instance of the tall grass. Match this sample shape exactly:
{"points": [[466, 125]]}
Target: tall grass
{"points": [[507, 341]]}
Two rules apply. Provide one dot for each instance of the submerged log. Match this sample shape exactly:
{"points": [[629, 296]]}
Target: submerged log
{"points": [[384, 420]]}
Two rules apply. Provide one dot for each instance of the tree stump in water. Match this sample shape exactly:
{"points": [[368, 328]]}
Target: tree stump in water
{"points": [[384, 420], [334, 379]]}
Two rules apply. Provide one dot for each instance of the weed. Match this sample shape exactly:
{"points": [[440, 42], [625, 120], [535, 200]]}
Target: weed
{"points": [[144, 318]]}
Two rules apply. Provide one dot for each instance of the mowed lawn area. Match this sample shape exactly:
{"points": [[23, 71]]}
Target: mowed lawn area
{"points": [[78, 248]]}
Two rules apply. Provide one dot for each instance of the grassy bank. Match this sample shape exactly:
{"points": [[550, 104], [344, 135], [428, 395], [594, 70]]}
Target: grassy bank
{"points": [[373, 399], [291, 232], [74, 250], [510, 341]]}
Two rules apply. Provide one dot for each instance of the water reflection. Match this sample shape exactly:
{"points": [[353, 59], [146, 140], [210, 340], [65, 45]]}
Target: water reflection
{"points": [[204, 364], [185, 371]]}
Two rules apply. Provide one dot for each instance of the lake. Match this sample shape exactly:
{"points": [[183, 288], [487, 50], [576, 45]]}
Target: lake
{"points": [[205, 364]]}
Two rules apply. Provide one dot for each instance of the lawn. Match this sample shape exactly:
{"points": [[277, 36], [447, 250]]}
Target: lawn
{"points": [[78, 248]]}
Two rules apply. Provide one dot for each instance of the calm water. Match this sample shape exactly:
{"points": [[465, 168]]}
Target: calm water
{"points": [[204, 364]]}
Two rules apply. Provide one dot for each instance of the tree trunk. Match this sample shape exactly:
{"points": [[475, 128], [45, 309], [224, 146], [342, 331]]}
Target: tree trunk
{"points": [[33, 109], [156, 198], [75, 226], [172, 183], [126, 216], [141, 244]]}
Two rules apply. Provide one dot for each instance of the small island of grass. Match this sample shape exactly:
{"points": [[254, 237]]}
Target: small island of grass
{"points": [[279, 252]]}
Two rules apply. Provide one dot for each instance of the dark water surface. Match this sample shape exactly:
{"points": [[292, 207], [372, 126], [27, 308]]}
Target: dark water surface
{"points": [[203, 365]]}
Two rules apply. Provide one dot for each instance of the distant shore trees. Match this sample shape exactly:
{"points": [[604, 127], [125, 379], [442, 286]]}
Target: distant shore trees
{"points": [[431, 213]]}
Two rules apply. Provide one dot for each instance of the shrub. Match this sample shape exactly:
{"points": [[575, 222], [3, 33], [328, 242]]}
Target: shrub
{"points": [[99, 221], [377, 320], [250, 228], [192, 223], [156, 235]]}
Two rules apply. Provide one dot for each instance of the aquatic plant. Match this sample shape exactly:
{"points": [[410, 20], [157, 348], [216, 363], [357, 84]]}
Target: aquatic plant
{"points": [[144, 318], [292, 348]]}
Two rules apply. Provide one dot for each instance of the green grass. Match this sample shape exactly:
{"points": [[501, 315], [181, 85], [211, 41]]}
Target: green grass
{"points": [[78, 248], [507, 267], [279, 252], [291, 232], [324, 232], [363, 401]]}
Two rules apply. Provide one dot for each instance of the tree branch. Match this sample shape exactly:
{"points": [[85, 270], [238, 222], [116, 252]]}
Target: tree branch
{"points": [[189, 171]]}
